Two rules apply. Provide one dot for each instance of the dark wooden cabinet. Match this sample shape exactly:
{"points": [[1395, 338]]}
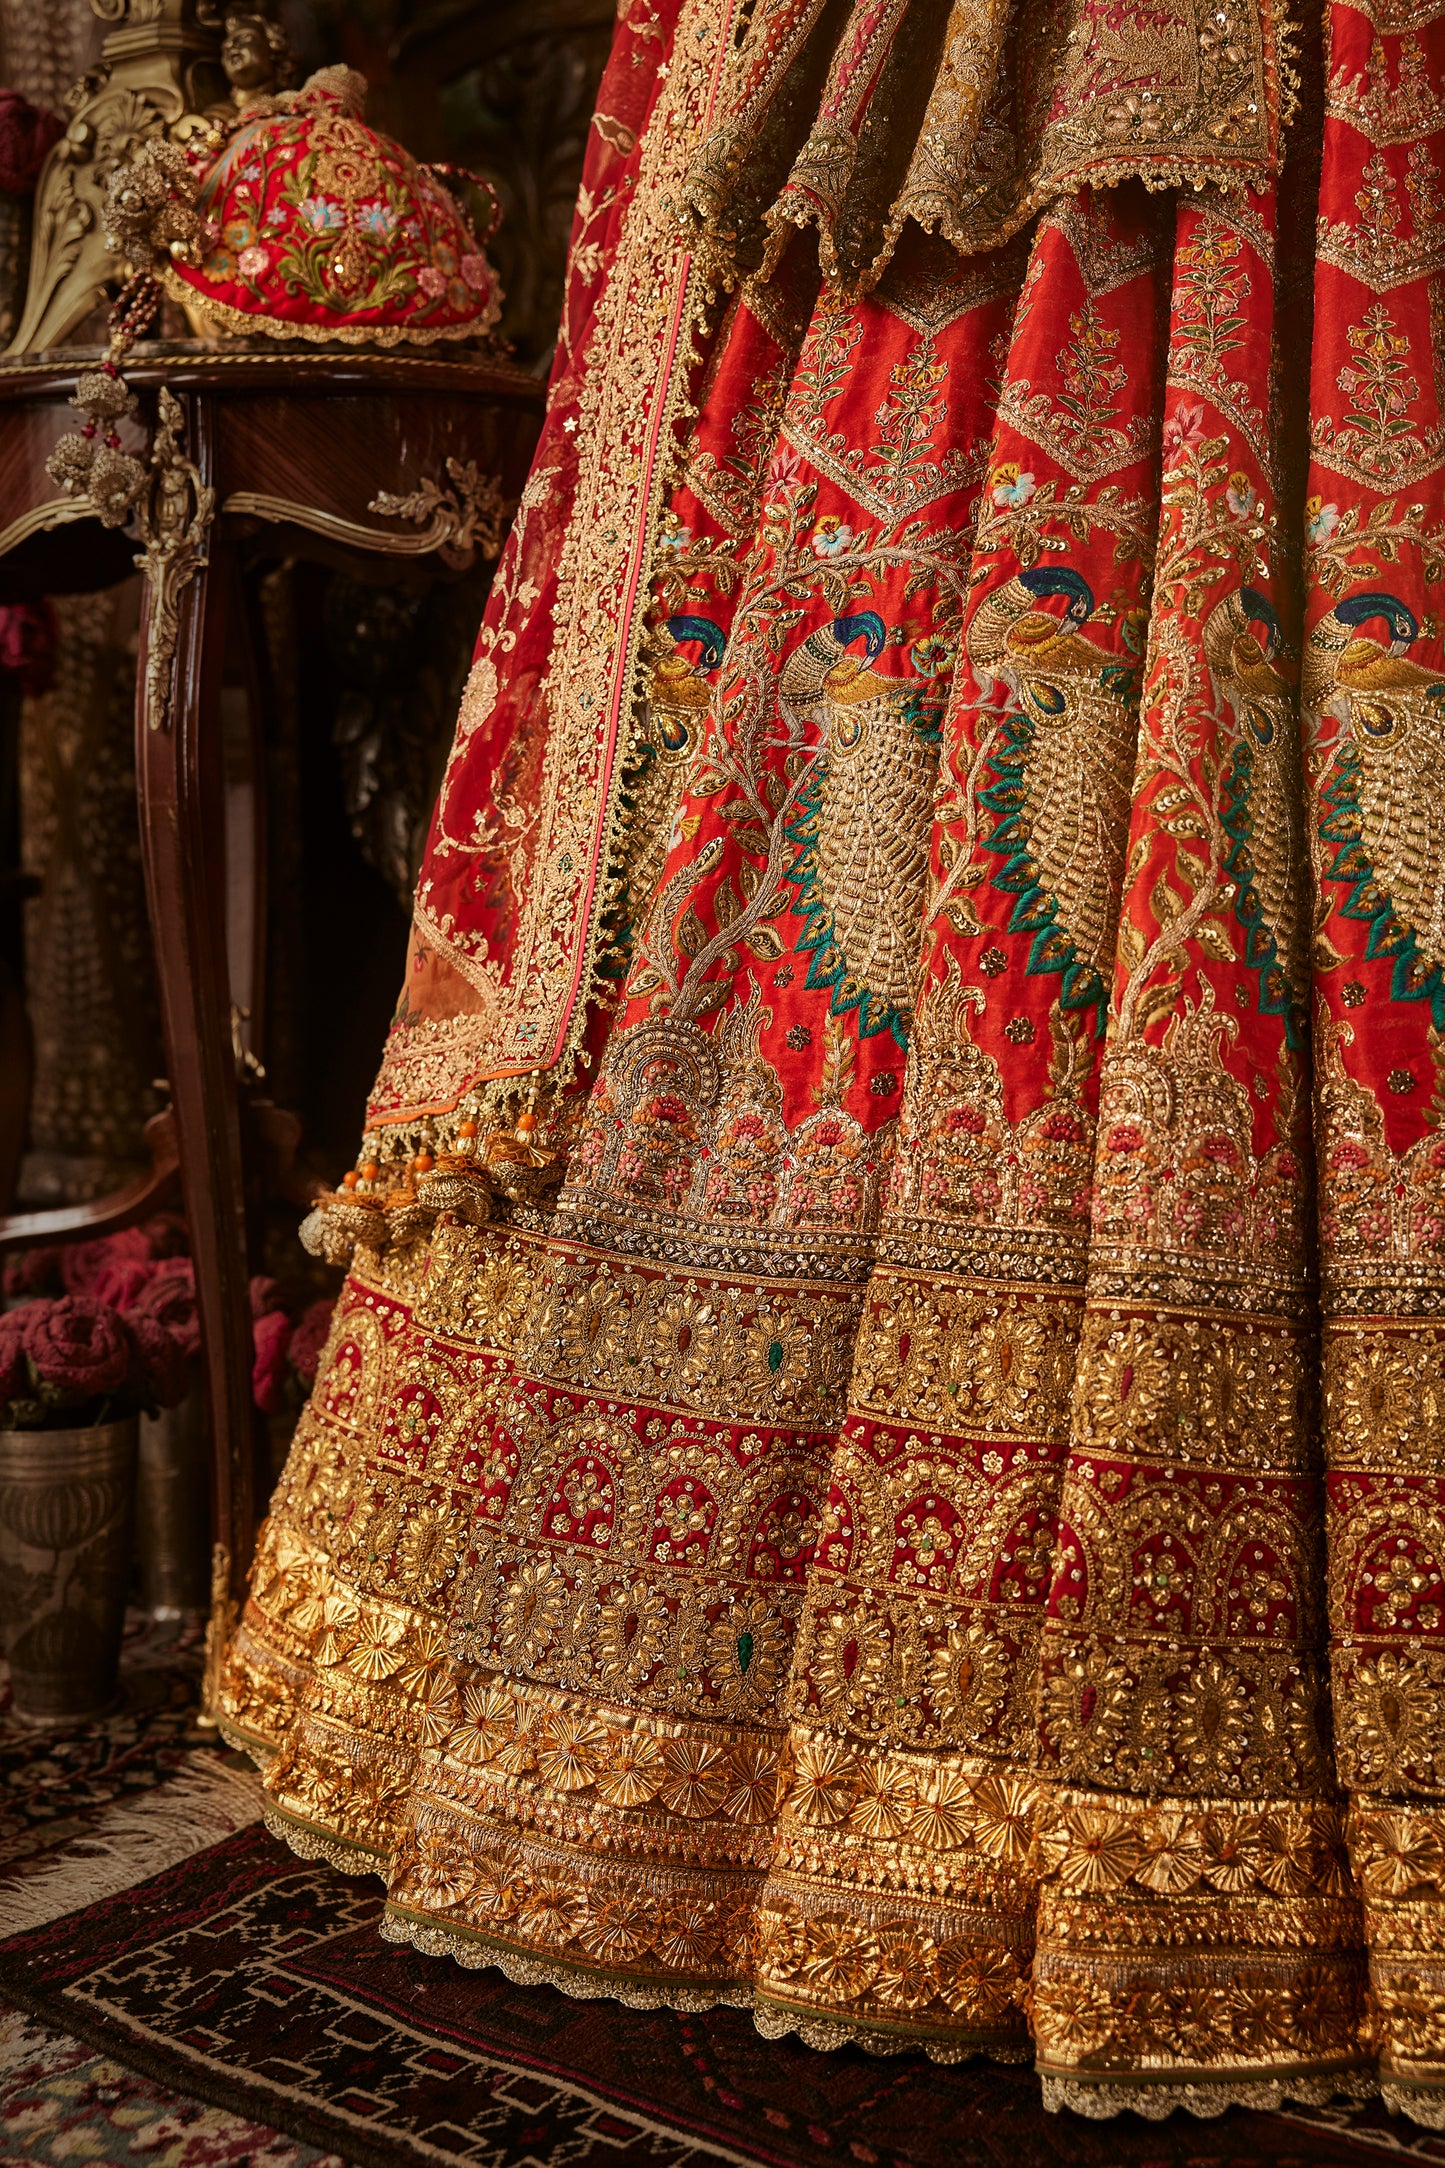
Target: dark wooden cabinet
{"points": [[361, 459]]}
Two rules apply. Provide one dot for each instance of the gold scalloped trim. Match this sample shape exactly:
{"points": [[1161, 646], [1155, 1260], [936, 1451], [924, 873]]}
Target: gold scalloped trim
{"points": [[775, 2020], [1157, 175], [1207, 2096], [1424, 2104], [1199, 2094], [276, 327], [476, 1951], [309, 1842]]}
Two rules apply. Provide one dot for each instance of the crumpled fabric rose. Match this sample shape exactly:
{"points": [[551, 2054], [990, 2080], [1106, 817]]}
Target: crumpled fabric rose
{"points": [[82, 1263], [77, 1345], [166, 1370], [170, 1300], [122, 1284]]}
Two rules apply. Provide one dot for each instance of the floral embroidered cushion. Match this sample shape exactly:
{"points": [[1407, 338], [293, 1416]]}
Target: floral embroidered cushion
{"points": [[314, 226]]}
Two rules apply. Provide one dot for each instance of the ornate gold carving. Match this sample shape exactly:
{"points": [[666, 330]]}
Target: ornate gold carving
{"points": [[55, 512], [456, 522], [174, 514], [153, 71]]}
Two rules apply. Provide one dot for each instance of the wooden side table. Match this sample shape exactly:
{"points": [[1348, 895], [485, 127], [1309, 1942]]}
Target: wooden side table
{"points": [[341, 456]]}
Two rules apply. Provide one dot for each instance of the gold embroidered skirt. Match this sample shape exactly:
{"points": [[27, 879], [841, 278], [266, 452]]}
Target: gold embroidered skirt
{"points": [[934, 1529]]}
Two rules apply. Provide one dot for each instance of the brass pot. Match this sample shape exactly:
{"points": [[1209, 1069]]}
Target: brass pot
{"points": [[65, 1519], [172, 1509]]}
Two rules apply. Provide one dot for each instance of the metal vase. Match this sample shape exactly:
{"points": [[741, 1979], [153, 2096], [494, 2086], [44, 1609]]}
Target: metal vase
{"points": [[66, 1498], [173, 1510]]}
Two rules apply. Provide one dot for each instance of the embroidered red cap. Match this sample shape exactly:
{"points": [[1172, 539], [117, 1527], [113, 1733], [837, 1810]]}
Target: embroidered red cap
{"points": [[315, 226]]}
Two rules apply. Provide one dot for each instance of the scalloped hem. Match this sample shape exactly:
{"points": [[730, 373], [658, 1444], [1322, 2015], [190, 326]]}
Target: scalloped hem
{"points": [[1156, 2095], [307, 1841], [1423, 2104], [476, 1951], [775, 2020], [1153, 2096], [241, 1741], [1159, 175]]}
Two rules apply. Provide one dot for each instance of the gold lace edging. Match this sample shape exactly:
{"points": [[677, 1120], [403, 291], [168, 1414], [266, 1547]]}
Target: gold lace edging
{"points": [[1153, 2097], [475, 1951], [775, 2020], [1158, 175], [309, 1842], [1424, 2104], [1202, 2095]]}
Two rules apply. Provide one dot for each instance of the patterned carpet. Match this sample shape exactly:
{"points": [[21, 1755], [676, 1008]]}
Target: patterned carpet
{"points": [[255, 1981], [61, 2102], [54, 1783]]}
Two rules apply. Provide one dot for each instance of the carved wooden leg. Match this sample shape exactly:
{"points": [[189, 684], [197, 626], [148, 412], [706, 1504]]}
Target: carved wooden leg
{"points": [[180, 779]]}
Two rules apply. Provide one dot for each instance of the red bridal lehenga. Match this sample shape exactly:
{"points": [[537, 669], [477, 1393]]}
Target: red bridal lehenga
{"points": [[883, 1452]]}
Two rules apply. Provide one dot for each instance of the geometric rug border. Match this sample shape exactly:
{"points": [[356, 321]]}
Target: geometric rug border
{"points": [[254, 2102]]}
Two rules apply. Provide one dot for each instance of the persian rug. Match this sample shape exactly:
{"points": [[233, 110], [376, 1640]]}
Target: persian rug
{"points": [[92, 1808], [55, 1781], [255, 1981], [62, 2103]]}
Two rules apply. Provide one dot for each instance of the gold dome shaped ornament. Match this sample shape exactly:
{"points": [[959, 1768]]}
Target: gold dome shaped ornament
{"points": [[292, 218], [457, 1188], [344, 1221], [520, 1169]]}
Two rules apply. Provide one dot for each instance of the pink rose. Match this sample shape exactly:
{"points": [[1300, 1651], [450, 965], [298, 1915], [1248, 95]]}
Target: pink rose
{"points": [[253, 261], [165, 1370], [309, 1338], [77, 1344], [432, 282], [170, 1300], [270, 1336], [477, 272]]}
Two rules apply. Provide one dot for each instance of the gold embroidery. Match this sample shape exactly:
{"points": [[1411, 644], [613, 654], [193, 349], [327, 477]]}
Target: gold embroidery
{"points": [[1187, 94]]}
